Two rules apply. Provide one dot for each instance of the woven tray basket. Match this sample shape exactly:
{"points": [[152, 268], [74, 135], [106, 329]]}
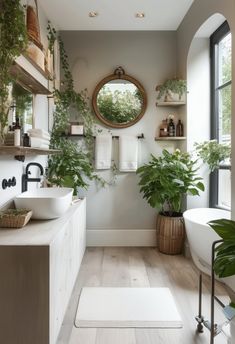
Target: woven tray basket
{"points": [[8, 220]]}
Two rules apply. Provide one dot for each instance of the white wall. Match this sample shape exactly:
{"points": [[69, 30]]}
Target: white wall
{"points": [[10, 167], [198, 108], [118, 214], [199, 12]]}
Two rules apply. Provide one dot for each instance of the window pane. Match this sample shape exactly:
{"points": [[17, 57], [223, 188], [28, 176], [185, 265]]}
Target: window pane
{"points": [[225, 54], [225, 114], [224, 191]]}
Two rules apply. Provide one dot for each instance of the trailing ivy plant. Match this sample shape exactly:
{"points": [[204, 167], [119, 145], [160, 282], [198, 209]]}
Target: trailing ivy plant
{"points": [[74, 166], [213, 153], [13, 41]]}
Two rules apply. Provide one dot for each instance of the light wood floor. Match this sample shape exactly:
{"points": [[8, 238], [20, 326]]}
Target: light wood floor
{"points": [[142, 267]]}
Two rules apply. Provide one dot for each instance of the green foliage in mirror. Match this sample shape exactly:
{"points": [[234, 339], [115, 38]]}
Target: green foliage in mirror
{"points": [[119, 106]]}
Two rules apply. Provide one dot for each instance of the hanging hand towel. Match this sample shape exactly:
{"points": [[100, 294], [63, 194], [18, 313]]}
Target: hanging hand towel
{"points": [[128, 153], [103, 152], [39, 133]]}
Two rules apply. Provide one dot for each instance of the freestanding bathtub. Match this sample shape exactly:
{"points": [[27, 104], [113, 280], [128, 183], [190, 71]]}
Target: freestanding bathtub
{"points": [[201, 236]]}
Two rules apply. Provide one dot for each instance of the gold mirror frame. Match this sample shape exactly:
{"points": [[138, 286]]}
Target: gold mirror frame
{"points": [[119, 73]]}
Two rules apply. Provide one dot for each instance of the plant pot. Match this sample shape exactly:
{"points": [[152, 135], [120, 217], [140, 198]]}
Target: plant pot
{"points": [[174, 97], [171, 234]]}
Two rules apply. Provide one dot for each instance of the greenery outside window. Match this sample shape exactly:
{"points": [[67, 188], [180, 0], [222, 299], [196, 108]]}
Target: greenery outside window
{"points": [[221, 80]]}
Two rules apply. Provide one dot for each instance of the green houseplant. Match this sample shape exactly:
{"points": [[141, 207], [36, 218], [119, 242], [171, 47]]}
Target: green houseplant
{"points": [[213, 153], [164, 182], [224, 264], [13, 41], [172, 86]]}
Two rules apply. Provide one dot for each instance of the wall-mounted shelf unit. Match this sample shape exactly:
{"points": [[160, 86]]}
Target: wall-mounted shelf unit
{"points": [[20, 152], [170, 138], [170, 103], [30, 76]]}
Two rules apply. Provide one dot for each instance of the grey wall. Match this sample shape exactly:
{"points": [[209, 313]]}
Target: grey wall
{"points": [[150, 57]]}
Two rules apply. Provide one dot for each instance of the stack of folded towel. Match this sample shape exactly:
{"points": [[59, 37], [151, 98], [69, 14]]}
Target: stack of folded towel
{"points": [[39, 138]]}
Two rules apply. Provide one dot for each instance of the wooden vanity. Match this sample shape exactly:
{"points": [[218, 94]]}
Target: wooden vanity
{"points": [[38, 268]]}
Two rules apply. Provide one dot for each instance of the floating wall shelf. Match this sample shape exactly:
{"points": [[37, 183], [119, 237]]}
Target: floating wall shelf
{"points": [[170, 103], [20, 152], [30, 76], [171, 138]]}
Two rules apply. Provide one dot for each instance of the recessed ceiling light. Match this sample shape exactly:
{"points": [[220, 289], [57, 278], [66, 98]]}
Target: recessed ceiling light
{"points": [[140, 15], [93, 14]]}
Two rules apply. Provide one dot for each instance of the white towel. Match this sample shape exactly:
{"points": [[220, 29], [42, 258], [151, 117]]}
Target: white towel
{"points": [[37, 142], [39, 133], [103, 152], [128, 153]]}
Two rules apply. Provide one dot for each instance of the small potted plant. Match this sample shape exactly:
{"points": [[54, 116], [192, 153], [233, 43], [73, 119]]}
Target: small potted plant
{"points": [[164, 181], [213, 153], [172, 90]]}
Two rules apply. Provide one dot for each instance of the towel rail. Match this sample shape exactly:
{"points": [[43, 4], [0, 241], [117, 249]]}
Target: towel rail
{"points": [[139, 137]]}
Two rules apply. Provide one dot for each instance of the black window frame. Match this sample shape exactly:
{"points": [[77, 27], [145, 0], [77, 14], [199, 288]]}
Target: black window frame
{"points": [[215, 38]]}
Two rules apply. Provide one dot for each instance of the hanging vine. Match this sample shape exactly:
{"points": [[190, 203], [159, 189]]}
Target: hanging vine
{"points": [[74, 167]]}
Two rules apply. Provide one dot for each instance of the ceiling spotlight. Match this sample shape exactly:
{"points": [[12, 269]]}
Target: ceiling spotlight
{"points": [[93, 14], [140, 15]]}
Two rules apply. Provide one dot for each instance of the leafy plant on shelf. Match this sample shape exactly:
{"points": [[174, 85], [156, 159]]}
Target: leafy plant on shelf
{"points": [[213, 153], [178, 86], [74, 166], [165, 180], [13, 41]]}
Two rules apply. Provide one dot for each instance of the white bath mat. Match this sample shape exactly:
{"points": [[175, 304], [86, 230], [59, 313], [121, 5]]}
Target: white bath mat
{"points": [[127, 307]]}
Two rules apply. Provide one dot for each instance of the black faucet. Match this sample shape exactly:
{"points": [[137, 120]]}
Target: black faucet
{"points": [[26, 179]]}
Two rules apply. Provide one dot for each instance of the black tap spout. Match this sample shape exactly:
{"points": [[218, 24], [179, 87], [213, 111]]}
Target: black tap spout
{"points": [[26, 179]]}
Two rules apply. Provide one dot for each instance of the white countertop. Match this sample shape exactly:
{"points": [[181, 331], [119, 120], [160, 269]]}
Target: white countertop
{"points": [[37, 233]]}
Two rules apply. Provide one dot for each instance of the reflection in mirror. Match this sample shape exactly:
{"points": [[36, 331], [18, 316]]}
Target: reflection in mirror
{"points": [[119, 100], [21, 106]]}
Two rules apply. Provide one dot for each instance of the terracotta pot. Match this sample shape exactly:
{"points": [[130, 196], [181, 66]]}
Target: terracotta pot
{"points": [[171, 234]]}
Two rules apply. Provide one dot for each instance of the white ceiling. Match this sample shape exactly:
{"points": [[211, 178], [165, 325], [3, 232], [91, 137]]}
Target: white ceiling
{"points": [[116, 14]]}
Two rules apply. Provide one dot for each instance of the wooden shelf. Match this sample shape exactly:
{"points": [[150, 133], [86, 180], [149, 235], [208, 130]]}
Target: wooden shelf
{"points": [[170, 103], [171, 138], [30, 76], [20, 152]]}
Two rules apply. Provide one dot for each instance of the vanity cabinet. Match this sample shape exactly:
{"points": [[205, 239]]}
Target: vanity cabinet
{"points": [[38, 268]]}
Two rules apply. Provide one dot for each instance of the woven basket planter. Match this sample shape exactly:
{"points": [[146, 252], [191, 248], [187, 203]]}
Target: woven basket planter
{"points": [[171, 234]]}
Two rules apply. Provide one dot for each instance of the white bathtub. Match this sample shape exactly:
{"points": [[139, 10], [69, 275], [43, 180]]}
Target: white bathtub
{"points": [[201, 236]]}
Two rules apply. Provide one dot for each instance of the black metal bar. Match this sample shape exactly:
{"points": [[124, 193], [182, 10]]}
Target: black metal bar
{"points": [[139, 137], [219, 301], [200, 318], [213, 326]]}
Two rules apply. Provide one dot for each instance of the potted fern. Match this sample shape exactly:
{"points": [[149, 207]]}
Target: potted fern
{"points": [[164, 182], [172, 90]]}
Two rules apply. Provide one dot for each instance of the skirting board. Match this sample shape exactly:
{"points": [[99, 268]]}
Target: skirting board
{"points": [[121, 237]]}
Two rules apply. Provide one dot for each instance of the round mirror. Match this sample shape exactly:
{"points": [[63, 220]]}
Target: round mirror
{"points": [[119, 100]]}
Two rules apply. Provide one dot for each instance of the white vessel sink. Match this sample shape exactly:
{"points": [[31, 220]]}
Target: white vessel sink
{"points": [[46, 203]]}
